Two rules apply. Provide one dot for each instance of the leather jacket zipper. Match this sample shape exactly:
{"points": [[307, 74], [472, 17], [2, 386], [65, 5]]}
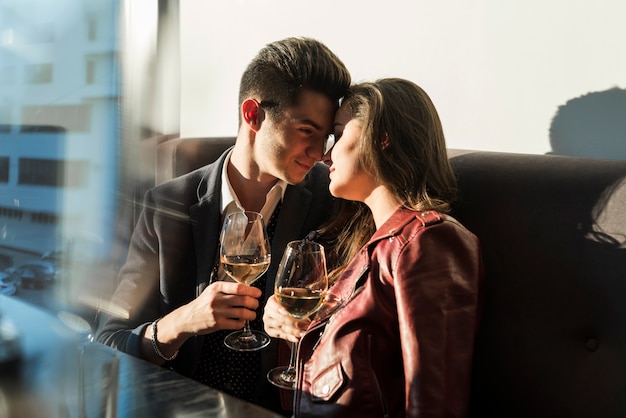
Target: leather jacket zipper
{"points": [[321, 328], [356, 289]]}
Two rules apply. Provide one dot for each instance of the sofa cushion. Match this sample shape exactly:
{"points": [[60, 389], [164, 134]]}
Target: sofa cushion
{"points": [[553, 231]]}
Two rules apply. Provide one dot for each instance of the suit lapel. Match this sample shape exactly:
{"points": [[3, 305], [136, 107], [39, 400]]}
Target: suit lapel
{"points": [[206, 223]]}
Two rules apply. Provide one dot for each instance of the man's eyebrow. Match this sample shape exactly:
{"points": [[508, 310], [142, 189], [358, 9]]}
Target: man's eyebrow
{"points": [[312, 123]]}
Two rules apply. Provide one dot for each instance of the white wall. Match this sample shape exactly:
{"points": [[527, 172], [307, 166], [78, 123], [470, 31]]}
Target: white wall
{"points": [[497, 70]]}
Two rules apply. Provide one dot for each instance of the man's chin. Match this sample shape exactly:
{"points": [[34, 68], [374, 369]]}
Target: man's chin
{"points": [[294, 180]]}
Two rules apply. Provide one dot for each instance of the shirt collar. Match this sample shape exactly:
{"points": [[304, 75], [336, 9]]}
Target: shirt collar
{"points": [[230, 202]]}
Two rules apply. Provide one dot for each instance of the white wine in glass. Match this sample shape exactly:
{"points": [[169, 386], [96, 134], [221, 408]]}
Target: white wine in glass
{"points": [[245, 255], [243, 269], [300, 302], [301, 285]]}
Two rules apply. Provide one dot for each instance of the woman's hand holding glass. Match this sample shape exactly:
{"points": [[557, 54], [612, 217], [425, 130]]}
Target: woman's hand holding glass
{"points": [[299, 290], [280, 324]]}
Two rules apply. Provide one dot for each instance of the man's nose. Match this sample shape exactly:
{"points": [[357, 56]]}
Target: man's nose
{"points": [[317, 147]]}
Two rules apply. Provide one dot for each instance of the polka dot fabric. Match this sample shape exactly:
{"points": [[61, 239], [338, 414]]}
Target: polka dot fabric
{"points": [[231, 371]]}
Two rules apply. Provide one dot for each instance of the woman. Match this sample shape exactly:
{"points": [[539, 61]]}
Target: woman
{"points": [[396, 335]]}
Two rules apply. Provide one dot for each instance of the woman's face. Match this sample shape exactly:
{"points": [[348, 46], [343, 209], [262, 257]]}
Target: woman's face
{"points": [[348, 179]]}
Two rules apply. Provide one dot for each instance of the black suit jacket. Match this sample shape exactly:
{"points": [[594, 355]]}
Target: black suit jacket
{"points": [[173, 249]]}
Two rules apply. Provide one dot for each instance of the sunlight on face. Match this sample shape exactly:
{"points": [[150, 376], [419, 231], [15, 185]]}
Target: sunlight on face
{"points": [[290, 147], [348, 179]]}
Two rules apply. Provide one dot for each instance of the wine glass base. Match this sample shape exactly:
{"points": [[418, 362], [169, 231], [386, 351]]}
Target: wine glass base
{"points": [[254, 341], [276, 377]]}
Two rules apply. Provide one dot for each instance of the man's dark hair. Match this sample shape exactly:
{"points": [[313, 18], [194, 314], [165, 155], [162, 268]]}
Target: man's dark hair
{"points": [[283, 68]]}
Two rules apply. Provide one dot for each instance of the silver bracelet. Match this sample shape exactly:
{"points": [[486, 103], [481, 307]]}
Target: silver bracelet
{"points": [[155, 346]]}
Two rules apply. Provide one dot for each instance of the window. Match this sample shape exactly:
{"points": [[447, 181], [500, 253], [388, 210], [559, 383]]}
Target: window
{"points": [[5, 118], [7, 36], [38, 74], [90, 72], [4, 169], [54, 173], [68, 118], [98, 69], [92, 28], [60, 133]]}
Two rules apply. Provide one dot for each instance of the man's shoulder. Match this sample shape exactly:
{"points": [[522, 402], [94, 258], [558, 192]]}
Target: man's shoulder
{"points": [[186, 188]]}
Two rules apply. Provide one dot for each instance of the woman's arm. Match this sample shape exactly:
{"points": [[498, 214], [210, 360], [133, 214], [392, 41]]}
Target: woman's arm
{"points": [[437, 283]]}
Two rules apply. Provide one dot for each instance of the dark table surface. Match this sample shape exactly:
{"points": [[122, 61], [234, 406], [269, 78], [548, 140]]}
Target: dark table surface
{"points": [[62, 374]]}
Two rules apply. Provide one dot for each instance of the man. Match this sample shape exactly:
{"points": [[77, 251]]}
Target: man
{"points": [[179, 310]]}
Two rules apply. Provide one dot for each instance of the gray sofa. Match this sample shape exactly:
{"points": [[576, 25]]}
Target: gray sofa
{"points": [[553, 229]]}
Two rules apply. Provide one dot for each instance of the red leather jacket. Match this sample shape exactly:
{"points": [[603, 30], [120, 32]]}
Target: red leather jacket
{"points": [[396, 337]]}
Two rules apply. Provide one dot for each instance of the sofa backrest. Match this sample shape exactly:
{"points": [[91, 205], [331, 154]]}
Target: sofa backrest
{"points": [[178, 156], [552, 341], [553, 231]]}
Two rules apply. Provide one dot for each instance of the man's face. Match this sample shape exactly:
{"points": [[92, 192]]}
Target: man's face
{"points": [[288, 148]]}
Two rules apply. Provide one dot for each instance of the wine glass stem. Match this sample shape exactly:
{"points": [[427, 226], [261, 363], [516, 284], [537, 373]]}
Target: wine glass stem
{"points": [[247, 332], [289, 374]]}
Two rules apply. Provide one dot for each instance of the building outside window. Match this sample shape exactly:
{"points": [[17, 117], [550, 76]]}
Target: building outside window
{"points": [[60, 136]]}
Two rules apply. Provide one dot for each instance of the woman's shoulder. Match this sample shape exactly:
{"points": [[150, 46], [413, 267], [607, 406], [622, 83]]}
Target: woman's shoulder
{"points": [[429, 224]]}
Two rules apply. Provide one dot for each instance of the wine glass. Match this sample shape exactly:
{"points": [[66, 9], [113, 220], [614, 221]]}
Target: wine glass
{"points": [[245, 256], [300, 286]]}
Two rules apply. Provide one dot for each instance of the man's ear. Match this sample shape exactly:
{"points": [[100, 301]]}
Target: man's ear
{"points": [[252, 113]]}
